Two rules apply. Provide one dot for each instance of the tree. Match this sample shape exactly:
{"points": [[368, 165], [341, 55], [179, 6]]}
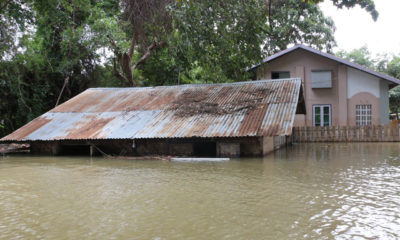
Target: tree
{"points": [[219, 39], [52, 50], [360, 56], [59, 60], [149, 22], [15, 17], [393, 69], [368, 5], [214, 40], [295, 22], [65, 41], [394, 101]]}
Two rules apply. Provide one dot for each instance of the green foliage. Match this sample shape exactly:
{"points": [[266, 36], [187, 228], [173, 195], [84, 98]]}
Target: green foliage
{"points": [[394, 100], [15, 17], [295, 22], [62, 46], [217, 40], [368, 5], [24, 92], [360, 56], [393, 69], [46, 44]]}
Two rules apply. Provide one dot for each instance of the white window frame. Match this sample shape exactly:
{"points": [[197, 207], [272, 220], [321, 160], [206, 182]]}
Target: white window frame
{"points": [[322, 106], [363, 115]]}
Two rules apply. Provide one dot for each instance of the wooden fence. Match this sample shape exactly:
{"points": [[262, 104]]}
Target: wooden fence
{"points": [[387, 133]]}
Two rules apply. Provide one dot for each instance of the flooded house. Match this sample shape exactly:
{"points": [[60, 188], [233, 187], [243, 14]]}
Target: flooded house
{"points": [[206, 120], [337, 92]]}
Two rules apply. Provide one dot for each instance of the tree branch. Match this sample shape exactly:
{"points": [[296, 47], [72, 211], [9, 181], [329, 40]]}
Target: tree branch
{"points": [[146, 55], [113, 43], [4, 6], [116, 48], [22, 97], [62, 90], [118, 74], [132, 48]]}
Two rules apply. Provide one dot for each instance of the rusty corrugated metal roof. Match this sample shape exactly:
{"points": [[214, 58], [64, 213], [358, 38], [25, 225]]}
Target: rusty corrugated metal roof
{"points": [[255, 108]]}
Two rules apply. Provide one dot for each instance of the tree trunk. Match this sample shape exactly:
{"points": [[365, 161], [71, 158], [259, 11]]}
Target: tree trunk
{"points": [[124, 60]]}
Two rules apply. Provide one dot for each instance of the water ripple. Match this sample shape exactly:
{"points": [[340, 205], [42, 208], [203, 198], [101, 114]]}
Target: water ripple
{"points": [[310, 191]]}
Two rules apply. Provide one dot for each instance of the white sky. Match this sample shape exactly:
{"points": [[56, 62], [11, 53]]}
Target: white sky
{"points": [[356, 28]]}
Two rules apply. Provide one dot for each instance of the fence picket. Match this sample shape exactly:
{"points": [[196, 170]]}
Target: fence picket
{"points": [[387, 133]]}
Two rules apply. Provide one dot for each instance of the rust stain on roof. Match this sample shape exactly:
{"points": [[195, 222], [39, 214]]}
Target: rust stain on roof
{"points": [[253, 120], [28, 128], [272, 130], [90, 128], [255, 108]]}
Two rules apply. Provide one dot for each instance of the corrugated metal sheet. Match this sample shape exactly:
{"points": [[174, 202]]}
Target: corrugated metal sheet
{"points": [[256, 108]]}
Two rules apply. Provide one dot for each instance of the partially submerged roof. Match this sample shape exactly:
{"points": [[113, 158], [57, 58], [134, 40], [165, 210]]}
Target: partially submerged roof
{"points": [[332, 57], [255, 108]]}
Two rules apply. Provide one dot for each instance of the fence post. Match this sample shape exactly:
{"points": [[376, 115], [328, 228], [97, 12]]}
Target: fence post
{"points": [[378, 133]]}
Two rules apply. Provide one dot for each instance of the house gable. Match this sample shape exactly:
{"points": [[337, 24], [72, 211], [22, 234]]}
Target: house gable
{"points": [[358, 81], [392, 80]]}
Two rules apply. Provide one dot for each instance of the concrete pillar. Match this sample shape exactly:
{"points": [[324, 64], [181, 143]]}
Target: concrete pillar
{"points": [[384, 99], [267, 145], [299, 73], [228, 149], [91, 150], [301, 119], [342, 95], [55, 148]]}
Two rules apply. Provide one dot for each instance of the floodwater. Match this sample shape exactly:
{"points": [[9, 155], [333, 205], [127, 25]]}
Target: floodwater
{"points": [[308, 191]]}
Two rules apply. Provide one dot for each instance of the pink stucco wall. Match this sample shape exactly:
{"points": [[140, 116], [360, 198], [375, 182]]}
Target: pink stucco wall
{"points": [[364, 98], [300, 63]]}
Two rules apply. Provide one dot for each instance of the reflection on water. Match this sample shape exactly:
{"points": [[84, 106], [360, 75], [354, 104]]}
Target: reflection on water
{"points": [[309, 191]]}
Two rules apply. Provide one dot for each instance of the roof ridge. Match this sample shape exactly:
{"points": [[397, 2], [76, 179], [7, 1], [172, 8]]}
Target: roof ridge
{"points": [[199, 84]]}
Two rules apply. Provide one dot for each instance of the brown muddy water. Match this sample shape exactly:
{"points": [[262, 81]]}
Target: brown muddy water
{"points": [[308, 191]]}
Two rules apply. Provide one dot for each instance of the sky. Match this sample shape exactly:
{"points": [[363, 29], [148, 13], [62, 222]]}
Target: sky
{"points": [[356, 28]]}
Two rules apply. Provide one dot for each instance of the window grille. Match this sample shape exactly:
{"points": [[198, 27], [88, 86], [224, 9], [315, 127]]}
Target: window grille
{"points": [[363, 115]]}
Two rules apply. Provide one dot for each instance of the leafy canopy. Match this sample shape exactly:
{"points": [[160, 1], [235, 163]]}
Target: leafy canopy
{"points": [[51, 50]]}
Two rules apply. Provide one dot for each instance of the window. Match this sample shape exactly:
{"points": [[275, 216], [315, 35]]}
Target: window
{"points": [[321, 79], [280, 75], [321, 115], [363, 115]]}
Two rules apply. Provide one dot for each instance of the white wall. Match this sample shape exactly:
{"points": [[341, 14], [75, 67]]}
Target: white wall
{"points": [[358, 81]]}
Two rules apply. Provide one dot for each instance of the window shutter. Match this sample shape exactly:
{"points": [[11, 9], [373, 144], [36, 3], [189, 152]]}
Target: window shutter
{"points": [[321, 79]]}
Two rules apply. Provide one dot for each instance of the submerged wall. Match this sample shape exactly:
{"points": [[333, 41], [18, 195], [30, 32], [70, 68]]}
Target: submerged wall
{"points": [[198, 147]]}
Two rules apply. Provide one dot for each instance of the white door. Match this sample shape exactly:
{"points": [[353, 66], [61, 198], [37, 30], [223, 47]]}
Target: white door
{"points": [[321, 115]]}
